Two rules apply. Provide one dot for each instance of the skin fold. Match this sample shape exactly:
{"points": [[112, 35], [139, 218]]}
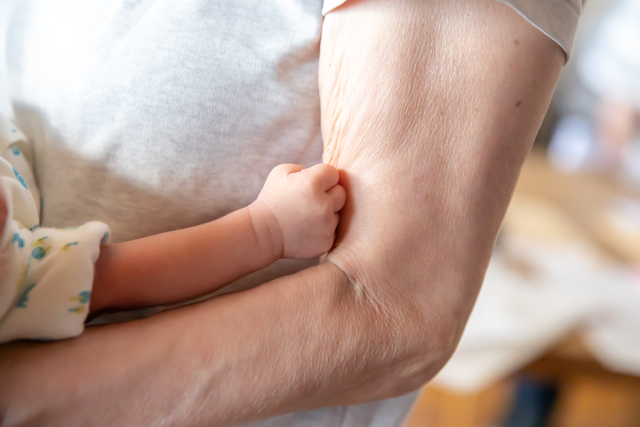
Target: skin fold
{"points": [[294, 216]]}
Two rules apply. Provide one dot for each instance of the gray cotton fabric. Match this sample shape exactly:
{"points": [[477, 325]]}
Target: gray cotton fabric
{"points": [[153, 115], [558, 19]]}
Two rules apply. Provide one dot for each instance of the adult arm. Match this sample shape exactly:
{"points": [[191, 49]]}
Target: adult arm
{"points": [[429, 108]]}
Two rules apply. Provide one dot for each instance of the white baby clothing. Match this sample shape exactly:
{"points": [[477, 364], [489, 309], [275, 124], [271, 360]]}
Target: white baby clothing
{"points": [[46, 274]]}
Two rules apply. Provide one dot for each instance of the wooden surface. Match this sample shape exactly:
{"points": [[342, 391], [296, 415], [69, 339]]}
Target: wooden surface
{"points": [[438, 407], [584, 197]]}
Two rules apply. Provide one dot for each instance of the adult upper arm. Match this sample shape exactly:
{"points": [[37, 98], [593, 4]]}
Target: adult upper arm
{"points": [[429, 109]]}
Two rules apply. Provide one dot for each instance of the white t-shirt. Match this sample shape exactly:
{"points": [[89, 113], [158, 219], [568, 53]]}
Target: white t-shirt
{"points": [[153, 115]]}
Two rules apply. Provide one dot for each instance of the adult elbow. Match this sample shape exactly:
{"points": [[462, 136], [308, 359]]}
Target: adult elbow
{"points": [[421, 345]]}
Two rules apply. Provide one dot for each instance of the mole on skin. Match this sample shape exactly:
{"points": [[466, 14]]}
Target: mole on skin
{"points": [[517, 42], [518, 103]]}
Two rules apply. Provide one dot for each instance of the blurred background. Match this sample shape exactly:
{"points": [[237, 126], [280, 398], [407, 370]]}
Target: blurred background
{"points": [[554, 339]]}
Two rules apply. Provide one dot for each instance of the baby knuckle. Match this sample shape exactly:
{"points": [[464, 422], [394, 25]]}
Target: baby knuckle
{"points": [[310, 186]]}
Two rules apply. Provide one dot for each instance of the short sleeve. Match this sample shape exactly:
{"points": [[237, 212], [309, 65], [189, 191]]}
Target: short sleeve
{"points": [[557, 19], [329, 5]]}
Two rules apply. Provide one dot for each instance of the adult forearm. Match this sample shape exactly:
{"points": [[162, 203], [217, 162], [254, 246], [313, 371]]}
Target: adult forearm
{"points": [[258, 353]]}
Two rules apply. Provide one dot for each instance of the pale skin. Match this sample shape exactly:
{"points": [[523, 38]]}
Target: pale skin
{"points": [[294, 216], [428, 110]]}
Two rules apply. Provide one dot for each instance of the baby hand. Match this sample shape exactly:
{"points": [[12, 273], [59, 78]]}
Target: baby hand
{"points": [[305, 202]]}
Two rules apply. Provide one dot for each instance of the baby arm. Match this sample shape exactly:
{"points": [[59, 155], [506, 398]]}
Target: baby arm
{"points": [[294, 216], [46, 274]]}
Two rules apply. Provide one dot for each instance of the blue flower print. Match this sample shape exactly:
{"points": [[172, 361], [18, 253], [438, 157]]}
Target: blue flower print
{"points": [[15, 149], [16, 238], [66, 247], [24, 298], [39, 252], [20, 178], [83, 297]]}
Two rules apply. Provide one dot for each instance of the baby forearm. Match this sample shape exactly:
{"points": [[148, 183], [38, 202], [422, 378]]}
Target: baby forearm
{"points": [[295, 216], [183, 264]]}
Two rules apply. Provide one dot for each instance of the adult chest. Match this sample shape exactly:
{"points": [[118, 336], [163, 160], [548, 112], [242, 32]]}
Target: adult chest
{"points": [[185, 103]]}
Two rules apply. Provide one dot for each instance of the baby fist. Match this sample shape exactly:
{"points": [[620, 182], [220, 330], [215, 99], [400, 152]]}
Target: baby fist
{"points": [[305, 202]]}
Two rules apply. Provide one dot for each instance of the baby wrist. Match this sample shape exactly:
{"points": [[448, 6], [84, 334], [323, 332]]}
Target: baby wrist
{"points": [[267, 229]]}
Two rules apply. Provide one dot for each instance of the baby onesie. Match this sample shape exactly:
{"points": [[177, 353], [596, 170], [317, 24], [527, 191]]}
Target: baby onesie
{"points": [[46, 274]]}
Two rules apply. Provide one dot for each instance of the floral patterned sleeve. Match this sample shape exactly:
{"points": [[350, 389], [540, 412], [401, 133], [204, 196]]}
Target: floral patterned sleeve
{"points": [[46, 274]]}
